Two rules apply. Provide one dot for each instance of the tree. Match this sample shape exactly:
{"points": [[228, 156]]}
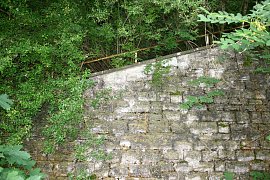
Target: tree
{"points": [[252, 41]]}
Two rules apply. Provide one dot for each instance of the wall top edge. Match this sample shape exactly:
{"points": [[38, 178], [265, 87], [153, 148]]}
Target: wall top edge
{"points": [[153, 60]]}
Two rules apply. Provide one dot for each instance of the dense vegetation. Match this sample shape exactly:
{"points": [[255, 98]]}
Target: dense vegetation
{"points": [[43, 43]]}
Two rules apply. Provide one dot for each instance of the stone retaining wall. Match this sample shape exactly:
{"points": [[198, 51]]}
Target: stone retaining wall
{"points": [[150, 137]]}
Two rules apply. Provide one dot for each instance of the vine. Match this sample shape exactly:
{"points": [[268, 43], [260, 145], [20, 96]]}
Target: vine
{"points": [[158, 70]]}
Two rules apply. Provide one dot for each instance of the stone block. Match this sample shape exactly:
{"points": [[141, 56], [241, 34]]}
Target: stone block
{"points": [[159, 126], [242, 117], [125, 144], [209, 155], [199, 128], [119, 171], [139, 171], [237, 167], [254, 101], [264, 145], [204, 167], [171, 176], [227, 116], [216, 176], [183, 62], [165, 166], [182, 146], [219, 166], [141, 107], [156, 107], [119, 127], [221, 137], [193, 158], [248, 145], [262, 154], [178, 127], [154, 117], [196, 176], [245, 155], [171, 115], [208, 116], [130, 157], [139, 126], [176, 99], [150, 157], [226, 154], [258, 166], [171, 155], [170, 107], [182, 167], [216, 73], [223, 127], [256, 117]]}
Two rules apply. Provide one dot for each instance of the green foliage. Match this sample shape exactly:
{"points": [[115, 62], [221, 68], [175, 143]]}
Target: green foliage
{"points": [[199, 101], [268, 137], [122, 26], [17, 164], [67, 113], [103, 96], [252, 40], [158, 70], [82, 175], [207, 98], [94, 143], [43, 43], [256, 175], [5, 102], [228, 175], [39, 57]]}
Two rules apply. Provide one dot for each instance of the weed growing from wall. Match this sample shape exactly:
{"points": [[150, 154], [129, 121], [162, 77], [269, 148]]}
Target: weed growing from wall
{"points": [[82, 152], [158, 70], [255, 175], [207, 97], [103, 96]]}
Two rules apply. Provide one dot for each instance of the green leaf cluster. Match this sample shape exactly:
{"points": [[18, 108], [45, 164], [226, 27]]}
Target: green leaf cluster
{"points": [[256, 175], [204, 80], [207, 97], [228, 175], [199, 101], [17, 164]]}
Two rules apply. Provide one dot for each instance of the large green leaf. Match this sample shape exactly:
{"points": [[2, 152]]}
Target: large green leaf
{"points": [[14, 175], [268, 43], [5, 102]]}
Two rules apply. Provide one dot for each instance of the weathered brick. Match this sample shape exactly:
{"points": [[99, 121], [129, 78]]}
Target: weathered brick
{"points": [[209, 155], [245, 155], [262, 154], [130, 157], [237, 167], [223, 127]]}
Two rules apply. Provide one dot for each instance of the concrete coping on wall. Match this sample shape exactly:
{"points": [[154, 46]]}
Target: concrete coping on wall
{"points": [[152, 60]]}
